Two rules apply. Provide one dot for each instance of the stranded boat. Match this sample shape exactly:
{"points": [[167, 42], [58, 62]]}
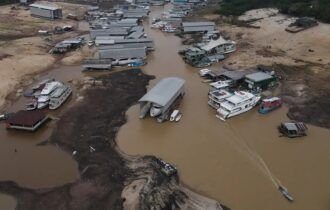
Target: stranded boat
{"points": [[270, 104], [216, 97], [31, 105], [221, 84], [59, 96], [204, 72], [237, 104], [285, 193], [293, 129], [43, 99]]}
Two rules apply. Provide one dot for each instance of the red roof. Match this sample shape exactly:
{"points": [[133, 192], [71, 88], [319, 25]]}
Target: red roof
{"points": [[26, 118]]}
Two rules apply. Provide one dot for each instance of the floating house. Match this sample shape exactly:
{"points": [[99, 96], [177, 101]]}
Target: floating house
{"points": [[260, 81], [125, 53], [46, 11], [162, 98], [109, 32], [219, 46], [27, 120], [125, 45], [193, 27]]}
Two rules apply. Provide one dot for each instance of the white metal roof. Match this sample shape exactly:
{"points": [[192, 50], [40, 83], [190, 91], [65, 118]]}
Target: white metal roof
{"points": [[196, 24], [163, 91], [214, 43], [258, 76], [43, 6]]}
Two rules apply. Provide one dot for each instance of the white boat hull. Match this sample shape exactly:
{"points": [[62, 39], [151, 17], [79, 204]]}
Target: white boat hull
{"points": [[55, 106], [224, 116]]}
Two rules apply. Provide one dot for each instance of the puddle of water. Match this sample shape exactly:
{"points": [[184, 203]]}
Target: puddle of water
{"points": [[235, 161]]}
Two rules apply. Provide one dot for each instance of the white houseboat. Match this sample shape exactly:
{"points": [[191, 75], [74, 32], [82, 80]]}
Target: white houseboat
{"points": [[59, 96], [216, 97], [237, 104], [43, 99]]}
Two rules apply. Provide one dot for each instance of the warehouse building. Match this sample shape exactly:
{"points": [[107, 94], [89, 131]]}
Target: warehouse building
{"points": [[123, 53], [46, 11], [161, 99], [193, 27]]}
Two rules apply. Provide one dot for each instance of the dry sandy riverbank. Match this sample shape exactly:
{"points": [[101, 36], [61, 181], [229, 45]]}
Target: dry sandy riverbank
{"points": [[24, 53], [302, 59]]}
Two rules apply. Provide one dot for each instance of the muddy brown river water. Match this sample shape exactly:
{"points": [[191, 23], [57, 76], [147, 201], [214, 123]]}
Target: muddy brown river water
{"points": [[22, 161], [238, 162]]}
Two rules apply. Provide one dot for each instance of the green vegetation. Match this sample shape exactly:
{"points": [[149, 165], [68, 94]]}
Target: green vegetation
{"points": [[319, 9], [3, 2]]}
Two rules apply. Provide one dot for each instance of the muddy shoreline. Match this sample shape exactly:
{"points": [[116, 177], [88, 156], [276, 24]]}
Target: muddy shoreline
{"points": [[106, 172]]}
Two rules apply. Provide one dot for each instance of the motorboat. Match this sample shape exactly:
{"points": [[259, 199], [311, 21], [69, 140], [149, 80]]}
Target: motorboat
{"points": [[50, 87], [285, 193], [178, 118], [174, 115], [42, 105], [221, 84], [270, 104], [59, 96], [31, 105], [155, 110], [204, 72], [238, 103], [216, 97]]}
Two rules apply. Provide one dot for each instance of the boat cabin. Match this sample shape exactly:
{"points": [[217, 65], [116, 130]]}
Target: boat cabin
{"points": [[293, 129], [260, 81]]}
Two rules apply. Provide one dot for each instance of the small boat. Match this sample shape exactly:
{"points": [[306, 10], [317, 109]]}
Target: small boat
{"points": [[293, 129], [31, 105], [42, 105], [178, 118], [41, 84], [221, 84], [204, 72], [270, 104], [285, 193], [174, 115]]}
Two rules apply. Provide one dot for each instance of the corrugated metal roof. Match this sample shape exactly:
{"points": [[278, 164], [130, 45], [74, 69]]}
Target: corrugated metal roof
{"points": [[258, 76], [214, 43], [123, 53], [135, 35], [198, 28], [163, 91], [133, 40], [104, 41], [109, 37], [128, 20], [122, 46], [43, 6], [237, 75], [196, 24], [27, 118]]}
